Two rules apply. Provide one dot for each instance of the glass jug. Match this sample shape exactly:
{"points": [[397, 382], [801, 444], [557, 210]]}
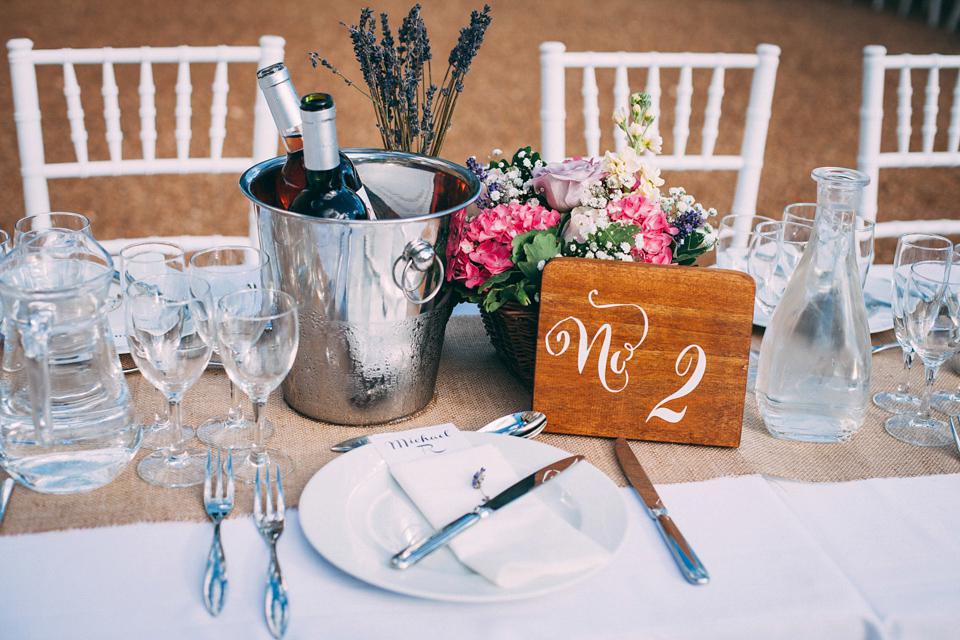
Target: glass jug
{"points": [[813, 377], [67, 421]]}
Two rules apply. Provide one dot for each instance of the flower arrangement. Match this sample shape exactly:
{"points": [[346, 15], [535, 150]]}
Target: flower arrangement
{"points": [[413, 113], [611, 209]]}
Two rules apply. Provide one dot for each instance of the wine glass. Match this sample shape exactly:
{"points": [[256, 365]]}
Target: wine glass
{"points": [[931, 318], [734, 235], [170, 328], [52, 220], [4, 243], [948, 402], [229, 269], [138, 261], [911, 248], [775, 251], [733, 240], [258, 332], [763, 263], [864, 233]]}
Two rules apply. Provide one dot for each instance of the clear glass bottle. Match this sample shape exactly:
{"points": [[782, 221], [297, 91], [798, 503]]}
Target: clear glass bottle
{"points": [[281, 96], [325, 194], [813, 376]]}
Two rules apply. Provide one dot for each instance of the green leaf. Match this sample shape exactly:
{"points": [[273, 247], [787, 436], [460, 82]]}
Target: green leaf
{"points": [[530, 271]]}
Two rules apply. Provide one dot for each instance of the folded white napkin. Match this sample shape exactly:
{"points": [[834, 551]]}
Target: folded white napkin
{"points": [[517, 544]]}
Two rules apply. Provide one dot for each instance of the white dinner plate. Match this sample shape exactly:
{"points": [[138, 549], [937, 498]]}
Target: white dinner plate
{"points": [[879, 313], [355, 514]]}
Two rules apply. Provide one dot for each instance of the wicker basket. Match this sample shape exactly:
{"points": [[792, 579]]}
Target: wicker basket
{"points": [[513, 331]]}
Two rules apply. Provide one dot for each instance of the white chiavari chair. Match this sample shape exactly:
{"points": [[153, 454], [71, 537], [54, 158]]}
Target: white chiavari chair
{"points": [[904, 7], [555, 59], [36, 171], [905, 150]]}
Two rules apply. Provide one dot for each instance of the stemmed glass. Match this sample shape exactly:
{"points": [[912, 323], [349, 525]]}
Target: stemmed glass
{"points": [[734, 236], [4, 243], [775, 251], [948, 402], [931, 318], [258, 332], [170, 329], [138, 261], [911, 248], [864, 233], [229, 269], [52, 220], [733, 240]]}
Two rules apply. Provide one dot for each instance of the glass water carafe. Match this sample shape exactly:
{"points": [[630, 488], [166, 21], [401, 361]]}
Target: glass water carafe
{"points": [[67, 422], [813, 377]]}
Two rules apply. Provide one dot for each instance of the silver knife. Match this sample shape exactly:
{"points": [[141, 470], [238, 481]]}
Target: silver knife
{"points": [[690, 565], [5, 490], [424, 547], [353, 443]]}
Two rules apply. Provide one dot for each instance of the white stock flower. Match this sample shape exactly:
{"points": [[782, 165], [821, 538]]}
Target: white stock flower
{"points": [[650, 181], [653, 143], [622, 166], [620, 115]]}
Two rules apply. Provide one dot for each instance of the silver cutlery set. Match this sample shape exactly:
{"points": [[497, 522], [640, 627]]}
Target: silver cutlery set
{"points": [[269, 515], [527, 424]]}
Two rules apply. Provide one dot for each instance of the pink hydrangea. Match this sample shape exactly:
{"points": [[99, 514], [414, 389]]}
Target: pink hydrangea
{"points": [[481, 247], [656, 233]]}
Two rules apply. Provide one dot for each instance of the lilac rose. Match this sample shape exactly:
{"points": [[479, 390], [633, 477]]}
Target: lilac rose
{"points": [[565, 183]]}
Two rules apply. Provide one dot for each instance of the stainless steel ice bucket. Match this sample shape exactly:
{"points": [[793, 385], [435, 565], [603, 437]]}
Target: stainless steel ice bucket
{"points": [[372, 306]]}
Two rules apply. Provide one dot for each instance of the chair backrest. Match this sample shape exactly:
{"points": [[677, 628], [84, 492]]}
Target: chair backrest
{"points": [[554, 59], [931, 152], [36, 170]]}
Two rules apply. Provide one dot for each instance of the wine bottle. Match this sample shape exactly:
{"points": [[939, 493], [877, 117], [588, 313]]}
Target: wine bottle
{"points": [[325, 194], [281, 96]]}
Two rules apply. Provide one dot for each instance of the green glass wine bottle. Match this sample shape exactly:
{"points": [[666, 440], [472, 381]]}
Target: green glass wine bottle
{"points": [[325, 194]]}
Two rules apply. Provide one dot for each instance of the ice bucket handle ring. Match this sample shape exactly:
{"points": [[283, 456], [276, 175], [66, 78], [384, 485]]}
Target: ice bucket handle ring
{"points": [[420, 256]]}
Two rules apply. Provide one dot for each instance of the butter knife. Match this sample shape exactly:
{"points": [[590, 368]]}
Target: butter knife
{"points": [[690, 565], [424, 547]]}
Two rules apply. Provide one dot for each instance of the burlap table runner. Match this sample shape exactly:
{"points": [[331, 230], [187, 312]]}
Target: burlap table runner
{"points": [[473, 387]]}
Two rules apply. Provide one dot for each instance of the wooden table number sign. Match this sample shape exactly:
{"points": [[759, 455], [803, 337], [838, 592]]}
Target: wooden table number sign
{"points": [[646, 352]]}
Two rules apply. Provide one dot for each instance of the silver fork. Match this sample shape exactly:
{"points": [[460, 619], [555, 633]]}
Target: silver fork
{"points": [[953, 427], [218, 504], [270, 525]]}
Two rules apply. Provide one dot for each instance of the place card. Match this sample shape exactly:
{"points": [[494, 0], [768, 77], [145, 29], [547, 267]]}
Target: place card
{"points": [[643, 351], [416, 444]]}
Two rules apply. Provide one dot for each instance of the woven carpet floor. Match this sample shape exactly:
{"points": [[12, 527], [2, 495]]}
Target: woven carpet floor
{"points": [[814, 123]]}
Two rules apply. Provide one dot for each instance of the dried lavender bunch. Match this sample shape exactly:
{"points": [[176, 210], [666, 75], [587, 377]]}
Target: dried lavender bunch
{"points": [[413, 113]]}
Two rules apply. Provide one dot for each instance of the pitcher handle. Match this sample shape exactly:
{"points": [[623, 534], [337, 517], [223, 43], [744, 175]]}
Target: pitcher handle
{"points": [[36, 343], [418, 255]]}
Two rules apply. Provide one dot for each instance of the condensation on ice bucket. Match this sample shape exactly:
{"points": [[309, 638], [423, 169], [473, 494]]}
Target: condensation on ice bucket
{"points": [[373, 308]]}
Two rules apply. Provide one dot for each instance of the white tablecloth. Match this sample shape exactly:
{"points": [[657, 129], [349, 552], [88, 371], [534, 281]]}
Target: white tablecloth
{"points": [[871, 559]]}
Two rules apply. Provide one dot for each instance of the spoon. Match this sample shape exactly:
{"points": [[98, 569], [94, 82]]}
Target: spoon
{"points": [[884, 347], [523, 424]]}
